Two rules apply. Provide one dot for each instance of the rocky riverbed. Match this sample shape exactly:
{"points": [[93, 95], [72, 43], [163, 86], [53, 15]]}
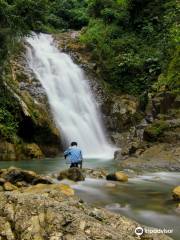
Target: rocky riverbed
{"points": [[38, 207]]}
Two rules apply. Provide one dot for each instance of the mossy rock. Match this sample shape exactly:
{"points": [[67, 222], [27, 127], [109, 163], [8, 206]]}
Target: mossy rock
{"points": [[7, 151], [155, 130], [117, 176], [32, 150], [41, 188], [176, 193], [171, 78], [74, 174], [9, 186]]}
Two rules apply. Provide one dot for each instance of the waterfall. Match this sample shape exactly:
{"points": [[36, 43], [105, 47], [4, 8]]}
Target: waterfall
{"points": [[73, 106]]}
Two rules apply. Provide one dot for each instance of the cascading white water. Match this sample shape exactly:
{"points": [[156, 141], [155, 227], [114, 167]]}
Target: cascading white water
{"points": [[72, 103]]}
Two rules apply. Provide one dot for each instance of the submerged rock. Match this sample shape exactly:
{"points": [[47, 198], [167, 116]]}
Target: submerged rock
{"points": [[110, 185], [74, 174], [117, 176], [176, 193]]}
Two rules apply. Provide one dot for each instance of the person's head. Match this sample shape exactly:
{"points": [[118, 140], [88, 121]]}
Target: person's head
{"points": [[74, 144]]}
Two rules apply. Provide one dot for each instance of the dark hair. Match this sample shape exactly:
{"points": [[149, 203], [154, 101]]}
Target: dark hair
{"points": [[74, 144]]}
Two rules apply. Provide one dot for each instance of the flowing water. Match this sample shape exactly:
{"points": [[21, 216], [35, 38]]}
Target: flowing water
{"points": [[74, 108], [146, 199]]}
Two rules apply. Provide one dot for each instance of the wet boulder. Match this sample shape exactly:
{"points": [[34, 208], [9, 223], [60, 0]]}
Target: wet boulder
{"points": [[9, 186], [95, 173], [14, 175], [176, 193], [21, 184], [117, 176], [2, 181], [42, 188], [74, 174]]}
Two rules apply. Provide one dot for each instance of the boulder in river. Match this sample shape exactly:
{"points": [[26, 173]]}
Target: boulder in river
{"points": [[14, 175], [117, 176], [74, 174], [95, 173], [176, 193]]}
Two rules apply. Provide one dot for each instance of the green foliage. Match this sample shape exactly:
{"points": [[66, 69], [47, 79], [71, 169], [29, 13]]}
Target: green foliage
{"points": [[133, 41], [8, 126], [171, 78], [29, 15], [155, 130], [8, 115], [18, 18], [67, 14]]}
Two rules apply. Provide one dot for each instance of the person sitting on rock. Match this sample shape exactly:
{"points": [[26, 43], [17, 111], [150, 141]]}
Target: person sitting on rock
{"points": [[74, 155]]}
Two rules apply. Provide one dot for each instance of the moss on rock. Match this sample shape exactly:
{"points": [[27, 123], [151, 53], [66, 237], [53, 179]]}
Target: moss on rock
{"points": [[25, 116], [155, 130]]}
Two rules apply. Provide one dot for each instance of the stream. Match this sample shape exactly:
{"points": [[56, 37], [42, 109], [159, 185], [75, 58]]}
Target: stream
{"points": [[144, 198]]}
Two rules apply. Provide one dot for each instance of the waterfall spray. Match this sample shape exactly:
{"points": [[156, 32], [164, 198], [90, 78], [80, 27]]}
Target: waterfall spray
{"points": [[72, 103]]}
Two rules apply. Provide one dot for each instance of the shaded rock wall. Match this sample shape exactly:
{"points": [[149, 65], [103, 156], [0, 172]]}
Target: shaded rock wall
{"points": [[35, 121]]}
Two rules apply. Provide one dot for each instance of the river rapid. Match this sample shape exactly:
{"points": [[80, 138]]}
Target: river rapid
{"points": [[145, 198]]}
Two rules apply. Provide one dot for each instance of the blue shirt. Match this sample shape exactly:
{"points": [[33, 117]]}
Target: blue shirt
{"points": [[73, 154]]}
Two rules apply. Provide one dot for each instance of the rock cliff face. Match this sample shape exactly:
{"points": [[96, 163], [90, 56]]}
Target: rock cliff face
{"points": [[120, 111], [37, 132], [146, 128]]}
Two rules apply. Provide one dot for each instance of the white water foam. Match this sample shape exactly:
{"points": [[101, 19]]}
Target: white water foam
{"points": [[74, 108]]}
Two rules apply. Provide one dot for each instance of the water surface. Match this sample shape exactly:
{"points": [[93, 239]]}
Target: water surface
{"points": [[146, 198]]}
